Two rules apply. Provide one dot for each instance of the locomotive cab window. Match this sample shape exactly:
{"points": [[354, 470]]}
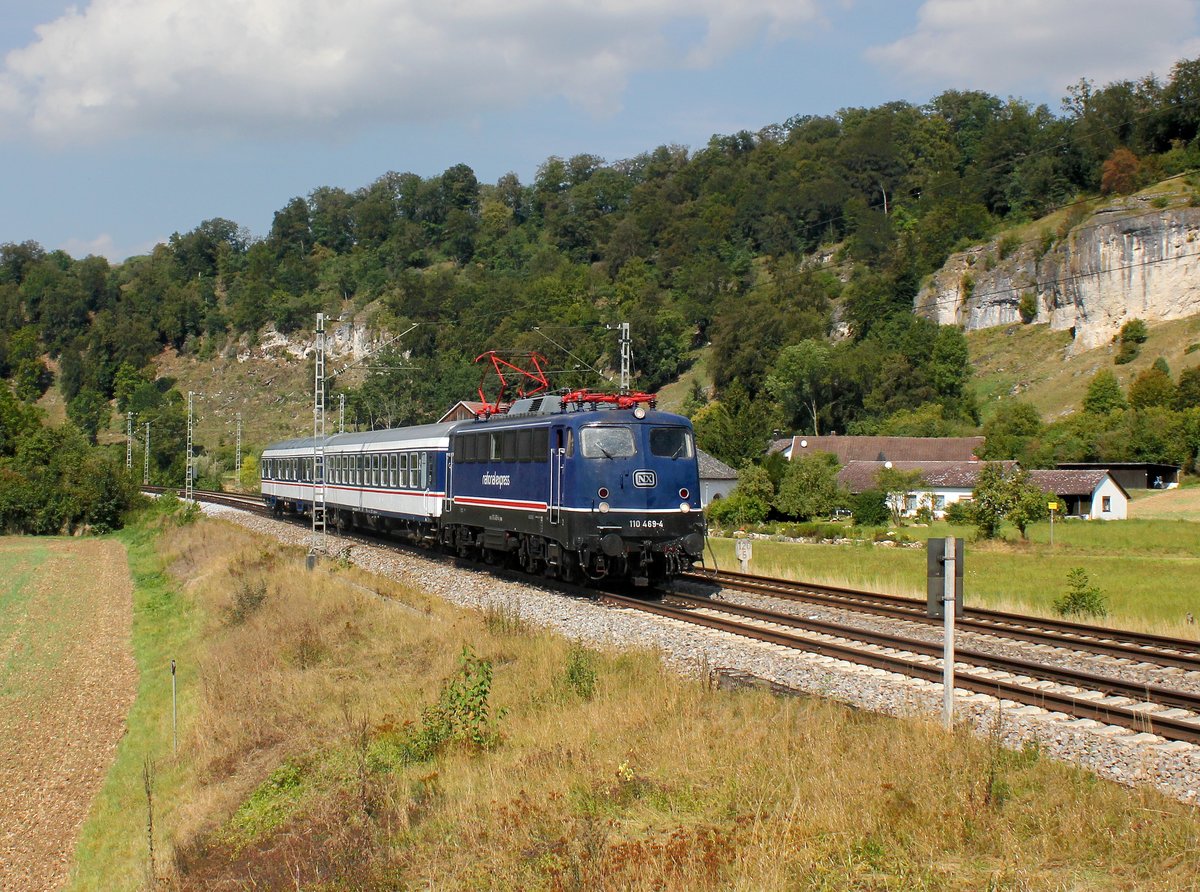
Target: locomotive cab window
{"points": [[671, 442], [606, 442]]}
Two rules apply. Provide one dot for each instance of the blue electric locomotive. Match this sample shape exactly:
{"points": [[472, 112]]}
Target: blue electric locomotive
{"points": [[569, 489]]}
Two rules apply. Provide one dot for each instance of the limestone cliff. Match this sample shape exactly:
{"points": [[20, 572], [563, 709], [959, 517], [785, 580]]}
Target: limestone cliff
{"points": [[1125, 262]]}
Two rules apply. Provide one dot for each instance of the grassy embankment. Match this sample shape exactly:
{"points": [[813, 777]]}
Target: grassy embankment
{"points": [[310, 757]]}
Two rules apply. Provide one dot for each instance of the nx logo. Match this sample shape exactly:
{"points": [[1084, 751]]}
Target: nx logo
{"points": [[644, 479]]}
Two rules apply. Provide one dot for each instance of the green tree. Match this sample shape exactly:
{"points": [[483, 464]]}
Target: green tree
{"points": [[809, 487], [1030, 503], [1152, 387], [1010, 430], [993, 498], [89, 411], [801, 380], [896, 485], [1189, 388], [1104, 394]]}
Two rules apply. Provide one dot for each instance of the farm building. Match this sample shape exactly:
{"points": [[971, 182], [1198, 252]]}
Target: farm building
{"points": [[1132, 474], [945, 482], [1093, 494], [717, 479]]}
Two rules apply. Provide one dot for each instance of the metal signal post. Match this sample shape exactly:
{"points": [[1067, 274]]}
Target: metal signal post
{"points": [[146, 459], [237, 461], [318, 502], [129, 442], [189, 485]]}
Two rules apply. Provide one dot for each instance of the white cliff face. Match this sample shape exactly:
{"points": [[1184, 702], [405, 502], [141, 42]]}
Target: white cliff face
{"points": [[344, 341], [1121, 264]]}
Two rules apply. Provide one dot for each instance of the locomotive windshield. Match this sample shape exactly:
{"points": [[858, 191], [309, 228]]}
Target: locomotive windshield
{"points": [[671, 442], [606, 442]]}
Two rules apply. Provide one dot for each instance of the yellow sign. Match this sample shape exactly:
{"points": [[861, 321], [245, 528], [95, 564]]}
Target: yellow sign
{"points": [[1053, 506]]}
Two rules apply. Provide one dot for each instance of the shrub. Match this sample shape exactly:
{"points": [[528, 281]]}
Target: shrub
{"points": [[1082, 598], [1008, 244], [959, 513], [870, 508], [579, 676], [1028, 307], [247, 598], [1134, 331]]}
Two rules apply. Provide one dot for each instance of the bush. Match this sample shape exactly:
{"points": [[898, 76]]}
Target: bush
{"points": [[870, 508], [1082, 598], [1028, 307], [959, 513]]}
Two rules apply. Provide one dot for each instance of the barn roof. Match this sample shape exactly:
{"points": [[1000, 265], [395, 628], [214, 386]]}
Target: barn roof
{"points": [[862, 475], [1064, 482], [713, 468], [848, 449]]}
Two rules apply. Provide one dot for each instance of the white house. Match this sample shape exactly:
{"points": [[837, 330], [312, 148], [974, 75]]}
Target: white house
{"points": [[717, 479], [1092, 494]]}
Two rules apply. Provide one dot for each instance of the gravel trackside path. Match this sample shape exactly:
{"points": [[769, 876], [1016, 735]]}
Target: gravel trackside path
{"points": [[67, 680]]}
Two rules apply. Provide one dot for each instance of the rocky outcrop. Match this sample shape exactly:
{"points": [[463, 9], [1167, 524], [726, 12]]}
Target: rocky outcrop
{"points": [[344, 340], [1122, 263]]}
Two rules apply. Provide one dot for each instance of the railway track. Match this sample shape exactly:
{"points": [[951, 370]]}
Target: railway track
{"points": [[1168, 713], [1138, 647], [1171, 714]]}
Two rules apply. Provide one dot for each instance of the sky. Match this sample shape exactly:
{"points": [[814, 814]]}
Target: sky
{"points": [[124, 121]]}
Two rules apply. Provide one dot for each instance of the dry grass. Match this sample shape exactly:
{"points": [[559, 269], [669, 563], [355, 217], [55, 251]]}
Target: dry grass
{"points": [[608, 772]]}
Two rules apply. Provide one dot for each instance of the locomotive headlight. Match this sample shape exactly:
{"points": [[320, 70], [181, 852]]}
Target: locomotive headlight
{"points": [[602, 507], [685, 507], [639, 413]]}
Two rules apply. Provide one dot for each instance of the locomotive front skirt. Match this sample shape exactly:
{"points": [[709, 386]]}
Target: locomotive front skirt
{"points": [[571, 492]]}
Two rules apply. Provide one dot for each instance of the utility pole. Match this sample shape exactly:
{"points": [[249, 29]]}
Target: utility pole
{"points": [[129, 443], [341, 413], [189, 487], [237, 461], [626, 353], [318, 500], [146, 459]]}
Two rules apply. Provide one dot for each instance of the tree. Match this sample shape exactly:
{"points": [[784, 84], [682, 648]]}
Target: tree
{"points": [[1009, 431], [1152, 387], [1189, 388], [1030, 503], [993, 497], [88, 411], [1120, 172], [1001, 495], [801, 380], [1104, 394], [896, 485], [809, 487]]}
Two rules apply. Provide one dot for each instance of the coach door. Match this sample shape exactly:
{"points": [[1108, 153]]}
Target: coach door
{"points": [[558, 453]]}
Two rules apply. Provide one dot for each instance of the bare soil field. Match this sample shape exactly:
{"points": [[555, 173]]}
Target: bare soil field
{"points": [[1171, 504], [67, 679]]}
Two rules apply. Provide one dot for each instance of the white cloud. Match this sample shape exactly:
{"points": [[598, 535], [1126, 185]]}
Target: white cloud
{"points": [[122, 67], [104, 245], [1006, 46]]}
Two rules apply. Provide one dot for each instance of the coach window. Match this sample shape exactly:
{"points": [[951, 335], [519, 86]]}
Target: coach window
{"points": [[423, 482], [413, 471], [403, 472], [525, 445], [541, 443], [606, 442]]}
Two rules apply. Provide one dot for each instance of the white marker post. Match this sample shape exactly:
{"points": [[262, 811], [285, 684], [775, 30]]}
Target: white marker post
{"points": [[174, 713], [742, 548], [949, 605]]}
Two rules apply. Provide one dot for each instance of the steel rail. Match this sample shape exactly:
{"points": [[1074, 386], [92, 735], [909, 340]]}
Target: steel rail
{"points": [[1068, 704], [1179, 653], [1104, 684]]}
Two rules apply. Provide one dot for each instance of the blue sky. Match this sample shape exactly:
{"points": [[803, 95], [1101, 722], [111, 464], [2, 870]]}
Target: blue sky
{"points": [[123, 121]]}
